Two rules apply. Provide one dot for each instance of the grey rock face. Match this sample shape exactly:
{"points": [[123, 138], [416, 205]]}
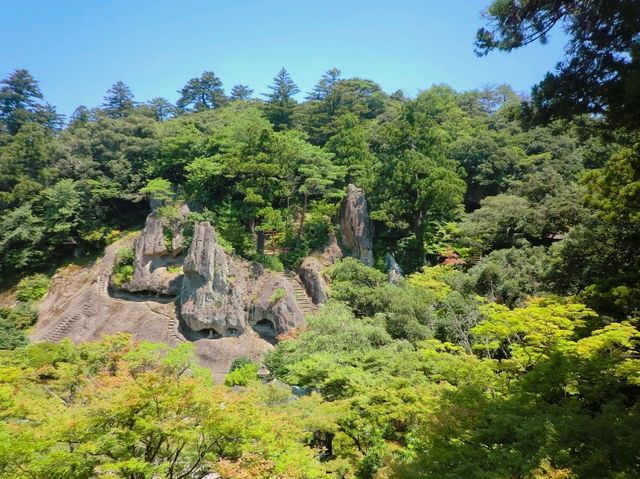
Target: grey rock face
{"points": [[355, 225], [152, 259], [310, 272], [276, 309], [212, 291], [394, 271]]}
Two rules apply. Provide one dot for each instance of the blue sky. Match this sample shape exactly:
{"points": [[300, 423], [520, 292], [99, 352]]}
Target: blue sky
{"points": [[78, 48]]}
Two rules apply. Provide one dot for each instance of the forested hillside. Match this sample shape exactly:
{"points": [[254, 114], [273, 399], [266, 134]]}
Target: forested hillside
{"points": [[506, 346]]}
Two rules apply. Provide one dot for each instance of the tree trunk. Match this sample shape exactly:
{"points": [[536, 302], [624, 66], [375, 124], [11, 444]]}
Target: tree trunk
{"points": [[419, 232]]}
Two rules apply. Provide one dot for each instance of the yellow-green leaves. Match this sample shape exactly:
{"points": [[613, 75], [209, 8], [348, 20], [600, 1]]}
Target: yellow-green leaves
{"points": [[525, 335]]}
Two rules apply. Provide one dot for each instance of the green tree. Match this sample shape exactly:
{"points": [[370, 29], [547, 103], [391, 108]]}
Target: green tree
{"points": [[161, 108], [325, 85], [20, 103], [281, 102], [202, 93], [118, 102], [351, 150], [240, 92], [602, 72]]}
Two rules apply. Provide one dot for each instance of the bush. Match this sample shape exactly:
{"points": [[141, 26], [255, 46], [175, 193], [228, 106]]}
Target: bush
{"points": [[10, 336], [509, 276], [22, 315], [239, 362], [123, 268], [32, 288], [270, 262], [277, 295], [242, 376]]}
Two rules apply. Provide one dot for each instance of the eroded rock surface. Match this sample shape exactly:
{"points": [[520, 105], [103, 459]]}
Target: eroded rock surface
{"points": [[245, 305], [310, 272], [213, 288], [394, 271], [155, 268], [355, 225], [276, 309]]}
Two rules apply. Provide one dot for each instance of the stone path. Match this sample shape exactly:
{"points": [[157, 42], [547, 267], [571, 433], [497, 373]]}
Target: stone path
{"points": [[306, 305]]}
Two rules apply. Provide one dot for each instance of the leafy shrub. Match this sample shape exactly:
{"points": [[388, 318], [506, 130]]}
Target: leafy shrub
{"points": [[242, 376], [32, 288], [508, 276], [123, 268], [270, 262], [239, 362], [167, 237], [23, 315], [10, 336], [315, 231], [277, 295]]}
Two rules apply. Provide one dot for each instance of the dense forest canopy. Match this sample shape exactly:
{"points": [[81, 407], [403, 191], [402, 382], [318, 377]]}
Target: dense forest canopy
{"points": [[509, 349]]}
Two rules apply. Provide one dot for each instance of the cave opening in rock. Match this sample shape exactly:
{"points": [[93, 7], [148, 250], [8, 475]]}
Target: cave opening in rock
{"points": [[232, 332], [265, 328], [210, 333]]}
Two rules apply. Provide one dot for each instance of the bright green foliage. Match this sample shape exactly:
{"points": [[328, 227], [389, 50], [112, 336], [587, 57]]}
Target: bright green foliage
{"points": [[158, 189], [242, 375], [114, 409], [123, 266], [32, 288], [526, 335]]}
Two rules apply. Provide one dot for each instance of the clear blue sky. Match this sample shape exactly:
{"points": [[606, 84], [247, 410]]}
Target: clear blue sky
{"points": [[78, 48]]}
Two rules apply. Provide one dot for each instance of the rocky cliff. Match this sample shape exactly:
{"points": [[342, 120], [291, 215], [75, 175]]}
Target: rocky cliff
{"points": [[155, 267], [355, 225], [230, 295], [213, 288]]}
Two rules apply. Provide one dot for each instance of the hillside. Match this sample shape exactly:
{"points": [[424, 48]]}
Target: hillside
{"points": [[361, 284]]}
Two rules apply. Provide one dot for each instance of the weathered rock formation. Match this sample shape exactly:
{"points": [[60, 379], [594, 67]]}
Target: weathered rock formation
{"points": [[310, 272], [229, 295], [238, 304], [276, 309], [355, 226], [394, 271], [153, 262], [213, 291]]}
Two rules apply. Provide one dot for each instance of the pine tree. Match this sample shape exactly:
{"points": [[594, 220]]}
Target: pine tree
{"points": [[281, 101], [202, 93], [241, 92], [19, 103], [161, 108], [118, 102], [351, 150], [325, 85]]}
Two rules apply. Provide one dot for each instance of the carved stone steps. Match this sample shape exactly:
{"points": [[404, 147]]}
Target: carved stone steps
{"points": [[63, 327], [302, 298], [173, 325]]}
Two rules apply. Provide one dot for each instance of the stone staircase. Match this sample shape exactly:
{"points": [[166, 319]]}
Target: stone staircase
{"points": [[89, 309], [302, 298], [174, 333], [63, 327], [103, 283]]}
